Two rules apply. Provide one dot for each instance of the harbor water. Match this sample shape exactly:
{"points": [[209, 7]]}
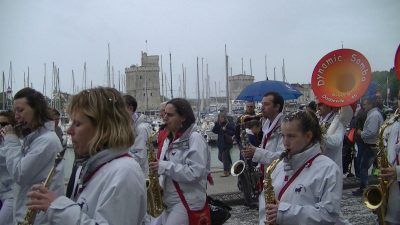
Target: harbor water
{"points": [[215, 163]]}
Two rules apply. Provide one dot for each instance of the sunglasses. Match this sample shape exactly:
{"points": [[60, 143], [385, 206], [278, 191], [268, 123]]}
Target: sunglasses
{"points": [[3, 124]]}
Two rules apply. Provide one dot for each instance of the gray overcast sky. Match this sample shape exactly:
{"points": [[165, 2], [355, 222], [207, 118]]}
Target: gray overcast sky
{"points": [[74, 31]]}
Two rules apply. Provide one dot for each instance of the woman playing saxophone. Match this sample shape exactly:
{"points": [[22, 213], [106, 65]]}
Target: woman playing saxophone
{"points": [[30, 161], [306, 184], [183, 165], [391, 174], [110, 187]]}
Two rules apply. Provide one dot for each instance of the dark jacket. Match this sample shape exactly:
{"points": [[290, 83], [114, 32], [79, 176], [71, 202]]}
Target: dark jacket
{"points": [[218, 129]]}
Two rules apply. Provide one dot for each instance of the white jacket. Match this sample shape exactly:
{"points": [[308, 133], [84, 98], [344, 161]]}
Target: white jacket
{"points": [[6, 181], [392, 135], [115, 194], [333, 139], [139, 149], [274, 147], [314, 196], [187, 163], [30, 163]]}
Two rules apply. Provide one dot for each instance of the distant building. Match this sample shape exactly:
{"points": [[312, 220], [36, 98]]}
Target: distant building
{"points": [[142, 82], [237, 83], [305, 89]]}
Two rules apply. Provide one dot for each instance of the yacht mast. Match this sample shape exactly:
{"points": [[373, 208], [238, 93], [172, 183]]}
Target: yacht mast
{"points": [[227, 85]]}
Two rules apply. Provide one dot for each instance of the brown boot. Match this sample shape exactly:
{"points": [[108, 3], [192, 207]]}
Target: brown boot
{"points": [[225, 174]]}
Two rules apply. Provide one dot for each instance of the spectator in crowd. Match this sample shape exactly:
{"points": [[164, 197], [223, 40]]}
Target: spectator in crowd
{"points": [[369, 135], [225, 131]]}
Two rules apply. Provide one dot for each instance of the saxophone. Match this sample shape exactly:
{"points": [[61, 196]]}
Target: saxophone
{"points": [[30, 215], [376, 196], [155, 204], [250, 173], [269, 193]]}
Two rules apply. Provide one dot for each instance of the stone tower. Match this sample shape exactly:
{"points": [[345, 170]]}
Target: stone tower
{"points": [[237, 83], [142, 82]]}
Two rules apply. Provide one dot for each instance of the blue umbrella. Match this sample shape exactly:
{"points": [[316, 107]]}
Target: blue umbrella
{"points": [[256, 91]]}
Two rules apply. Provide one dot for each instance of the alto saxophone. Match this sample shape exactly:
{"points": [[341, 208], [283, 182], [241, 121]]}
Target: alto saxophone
{"points": [[376, 196], [30, 215], [155, 204], [269, 193], [251, 175]]}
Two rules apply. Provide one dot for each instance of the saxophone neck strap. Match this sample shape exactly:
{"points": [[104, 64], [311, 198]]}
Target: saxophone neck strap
{"points": [[295, 175], [89, 176]]}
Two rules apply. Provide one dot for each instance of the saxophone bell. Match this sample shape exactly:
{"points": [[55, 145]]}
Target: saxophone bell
{"points": [[238, 168], [373, 197]]}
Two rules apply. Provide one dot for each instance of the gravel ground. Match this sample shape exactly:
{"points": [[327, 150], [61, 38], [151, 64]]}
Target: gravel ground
{"points": [[352, 207]]}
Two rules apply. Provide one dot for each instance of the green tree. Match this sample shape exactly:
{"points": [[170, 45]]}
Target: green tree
{"points": [[392, 83]]}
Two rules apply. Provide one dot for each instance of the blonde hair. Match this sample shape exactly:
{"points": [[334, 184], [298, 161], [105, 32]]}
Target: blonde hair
{"points": [[106, 110]]}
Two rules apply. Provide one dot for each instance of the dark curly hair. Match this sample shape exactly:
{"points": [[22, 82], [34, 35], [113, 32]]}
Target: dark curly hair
{"points": [[37, 101]]}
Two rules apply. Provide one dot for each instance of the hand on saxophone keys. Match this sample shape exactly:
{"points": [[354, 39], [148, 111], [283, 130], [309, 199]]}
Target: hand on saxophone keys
{"points": [[388, 174], [248, 151], [271, 211], [153, 168], [40, 198]]}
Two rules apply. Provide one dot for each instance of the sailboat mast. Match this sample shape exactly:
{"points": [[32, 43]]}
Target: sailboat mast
{"points": [[162, 79], [251, 68], [202, 84], [28, 78], [170, 69], [44, 80], [266, 73], [109, 67], [84, 76], [198, 90], [73, 82], [119, 80], [208, 89], [227, 85], [4, 93], [113, 78], [283, 71], [184, 81]]}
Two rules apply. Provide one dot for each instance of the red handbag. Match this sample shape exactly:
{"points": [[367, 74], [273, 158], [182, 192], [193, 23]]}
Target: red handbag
{"points": [[199, 217]]}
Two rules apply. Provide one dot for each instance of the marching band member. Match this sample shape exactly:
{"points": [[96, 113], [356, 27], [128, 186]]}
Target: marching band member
{"points": [[392, 174], [307, 185], [333, 122], [142, 131], [111, 187], [271, 144], [29, 162], [184, 164], [6, 192]]}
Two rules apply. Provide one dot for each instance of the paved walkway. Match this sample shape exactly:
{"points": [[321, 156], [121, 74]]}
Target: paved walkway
{"points": [[225, 188], [353, 210]]}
